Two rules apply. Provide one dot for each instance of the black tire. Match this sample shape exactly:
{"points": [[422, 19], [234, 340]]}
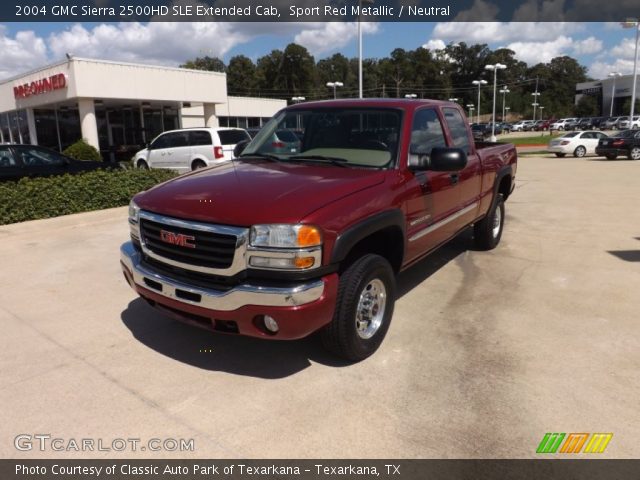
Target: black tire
{"points": [[579, 152], [611, 156], [341, 336], [634, 153], [198, 164], [484, 234], [560, 155], [143, 165]]}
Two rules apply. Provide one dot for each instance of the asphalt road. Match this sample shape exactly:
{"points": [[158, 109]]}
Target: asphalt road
{"points": [[487, 351]]}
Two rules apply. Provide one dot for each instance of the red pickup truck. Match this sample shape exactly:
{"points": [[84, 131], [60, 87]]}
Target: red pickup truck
{"points": [[284, 242]]}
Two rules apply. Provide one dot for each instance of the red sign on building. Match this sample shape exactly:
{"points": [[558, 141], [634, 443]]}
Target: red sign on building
{"points": [[37, 87]]}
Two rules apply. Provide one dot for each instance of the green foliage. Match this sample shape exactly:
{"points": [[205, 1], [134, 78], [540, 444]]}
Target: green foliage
{"points": [[587, 107], [34, 198], [211, 64], [81, 150], [626, 107]]}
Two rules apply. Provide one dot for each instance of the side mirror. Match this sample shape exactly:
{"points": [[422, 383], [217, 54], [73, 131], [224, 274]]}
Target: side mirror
{"points": [[147, 146], [441, 159], [239, 148], [447, 159]]}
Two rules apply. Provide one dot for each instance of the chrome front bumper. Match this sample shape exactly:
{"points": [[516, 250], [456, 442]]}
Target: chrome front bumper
{"points": [[233, 299]]}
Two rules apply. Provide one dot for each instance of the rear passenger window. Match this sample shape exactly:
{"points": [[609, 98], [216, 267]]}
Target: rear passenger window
{"points": [[177, 139], [426, 132], [199, 137], [6, 158], [458, 128], [231, 137]]}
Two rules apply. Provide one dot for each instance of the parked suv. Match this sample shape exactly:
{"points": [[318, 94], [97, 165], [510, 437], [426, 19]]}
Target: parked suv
{"points": [[625, 124], [523, 126], [564, 124], [190, 149], [610, 123]]}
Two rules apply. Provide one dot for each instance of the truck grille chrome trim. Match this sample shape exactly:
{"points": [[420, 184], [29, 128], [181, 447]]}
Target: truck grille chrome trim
{"points": [[213, 249], [215, 299], [443, 222]]}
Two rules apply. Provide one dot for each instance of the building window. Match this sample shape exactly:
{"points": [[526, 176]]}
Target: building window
{"points": [[47, 128], [69, 125]]}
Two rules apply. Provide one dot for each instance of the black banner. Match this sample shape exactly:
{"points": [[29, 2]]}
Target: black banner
{"points": [[551, 469], [317, 11]]}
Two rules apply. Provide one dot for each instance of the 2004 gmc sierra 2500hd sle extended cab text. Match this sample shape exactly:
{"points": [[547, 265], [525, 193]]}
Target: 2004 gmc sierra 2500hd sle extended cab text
{"points": [[281, 243]]}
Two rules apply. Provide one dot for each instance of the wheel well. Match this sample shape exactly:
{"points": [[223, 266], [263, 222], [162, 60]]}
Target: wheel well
{"points": [[388, 243], [197, 160], [505, 186], [141, 160]]}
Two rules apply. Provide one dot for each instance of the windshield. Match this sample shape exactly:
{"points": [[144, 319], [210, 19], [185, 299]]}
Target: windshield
{"points": [[355, 137], [624, 134]]}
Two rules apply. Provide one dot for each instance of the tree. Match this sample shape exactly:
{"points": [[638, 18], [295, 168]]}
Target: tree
{"points": [[269, 74], [626, 107], [241, 76], [587, 107], [212, 64], [297, 69]]}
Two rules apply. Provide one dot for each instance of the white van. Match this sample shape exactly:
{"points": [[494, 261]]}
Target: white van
{"points": [[190, 148]]}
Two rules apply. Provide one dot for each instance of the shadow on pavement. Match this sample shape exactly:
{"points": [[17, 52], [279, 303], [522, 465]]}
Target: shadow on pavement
{"points": [[254, 357]]}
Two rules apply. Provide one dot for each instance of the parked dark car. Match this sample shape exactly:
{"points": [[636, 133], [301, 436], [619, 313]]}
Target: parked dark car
{"points": [[18, 161], [481, 131], [625, 143], [543, 125], [573, 124]]}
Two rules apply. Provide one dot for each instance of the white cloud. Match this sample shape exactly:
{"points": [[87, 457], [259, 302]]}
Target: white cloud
{"points": [[330, 36], [435, 44], [625, 49], [541, 52], [20, 53], [588, 46], [503, 32]]}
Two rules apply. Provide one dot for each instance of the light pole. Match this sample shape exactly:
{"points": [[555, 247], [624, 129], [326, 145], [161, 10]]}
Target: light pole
{"points": [[335, 85], [504, 92], [613, 75], [535, 96], [506, 109], [494, 68], [471, 109], [411, 95], [453, 99], [479, 83], [541, 109], [360, 2]]}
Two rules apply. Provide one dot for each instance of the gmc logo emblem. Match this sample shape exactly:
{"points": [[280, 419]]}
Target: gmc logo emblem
{"points": [[179, 239]]}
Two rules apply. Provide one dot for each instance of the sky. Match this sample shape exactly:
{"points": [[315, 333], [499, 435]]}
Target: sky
{"points": [[601, 47]]}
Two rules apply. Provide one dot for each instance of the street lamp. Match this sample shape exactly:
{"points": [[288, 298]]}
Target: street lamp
{"points": [[506, 109], [613, 75], [504, 92], [298, 99], [411, 95], [471, 109], [494, 68], [453, 99], [479, 83], [535, 96], [335, 85], [541, 109], [360, 2]]}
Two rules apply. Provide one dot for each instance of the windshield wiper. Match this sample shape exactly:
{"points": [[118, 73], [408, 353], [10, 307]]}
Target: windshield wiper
{"points": [[267, 156], [340, 162]]}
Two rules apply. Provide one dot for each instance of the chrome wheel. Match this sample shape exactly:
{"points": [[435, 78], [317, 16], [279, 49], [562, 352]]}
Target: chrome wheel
{"points": [[497, 223], [635, 153], [580, 152], [370, 309]]}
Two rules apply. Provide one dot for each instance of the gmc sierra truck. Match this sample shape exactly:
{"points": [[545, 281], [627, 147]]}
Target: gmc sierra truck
{"points": [[284, 242]]}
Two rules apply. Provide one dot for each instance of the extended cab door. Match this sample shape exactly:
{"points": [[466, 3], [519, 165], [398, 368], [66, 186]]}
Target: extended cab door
{"points": [[432, 195], [469, 180]]}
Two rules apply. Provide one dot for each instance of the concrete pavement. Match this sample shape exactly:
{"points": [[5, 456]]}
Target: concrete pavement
{"points": [[487, 351]]}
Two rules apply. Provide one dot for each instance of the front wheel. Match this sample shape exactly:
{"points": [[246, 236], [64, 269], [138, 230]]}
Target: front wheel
{"points": [[364, 307], [634, 153], [142, 165], [488, 231]]}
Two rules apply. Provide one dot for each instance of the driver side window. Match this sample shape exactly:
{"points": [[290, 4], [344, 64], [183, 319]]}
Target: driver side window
{"points": [[426, 132]]}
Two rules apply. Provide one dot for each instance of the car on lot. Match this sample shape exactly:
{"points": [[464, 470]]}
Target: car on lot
{"points": [[626, 124], [481, 131], [523, 126], [543, 125], [609, 123], [626, 143], [18, 161], [311, 241], [589, 123], [190, 148], [564, 124], [577, 144]]}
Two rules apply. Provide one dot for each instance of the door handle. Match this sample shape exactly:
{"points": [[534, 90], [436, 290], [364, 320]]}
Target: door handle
{"points": [[455, 177]]}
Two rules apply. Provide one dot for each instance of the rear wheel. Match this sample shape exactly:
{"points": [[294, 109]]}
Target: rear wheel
{"points": [[366, 296], [198, 164], [560, 155], [580, 152], [634, 153], [142, 165]]}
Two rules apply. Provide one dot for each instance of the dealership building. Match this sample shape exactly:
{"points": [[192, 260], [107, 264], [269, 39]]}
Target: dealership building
{"points": [[118, 107], [611, 89]]}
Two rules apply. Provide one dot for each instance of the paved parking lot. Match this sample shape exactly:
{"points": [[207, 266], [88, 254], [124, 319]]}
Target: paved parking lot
{"points": [[487, 351]]}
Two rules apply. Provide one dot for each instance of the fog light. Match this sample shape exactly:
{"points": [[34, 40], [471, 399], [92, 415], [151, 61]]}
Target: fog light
{"points": [[270, 324]]}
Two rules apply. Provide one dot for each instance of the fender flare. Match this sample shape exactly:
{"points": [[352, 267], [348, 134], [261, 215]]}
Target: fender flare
{"points": [[505, 170], [364, 228]]}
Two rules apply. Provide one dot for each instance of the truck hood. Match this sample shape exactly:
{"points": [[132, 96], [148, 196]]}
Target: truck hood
{"points": [[250, 192]]}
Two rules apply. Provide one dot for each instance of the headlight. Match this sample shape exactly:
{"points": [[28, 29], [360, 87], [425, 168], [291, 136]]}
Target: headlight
{"points": [[285, 236], [134, 212]]}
